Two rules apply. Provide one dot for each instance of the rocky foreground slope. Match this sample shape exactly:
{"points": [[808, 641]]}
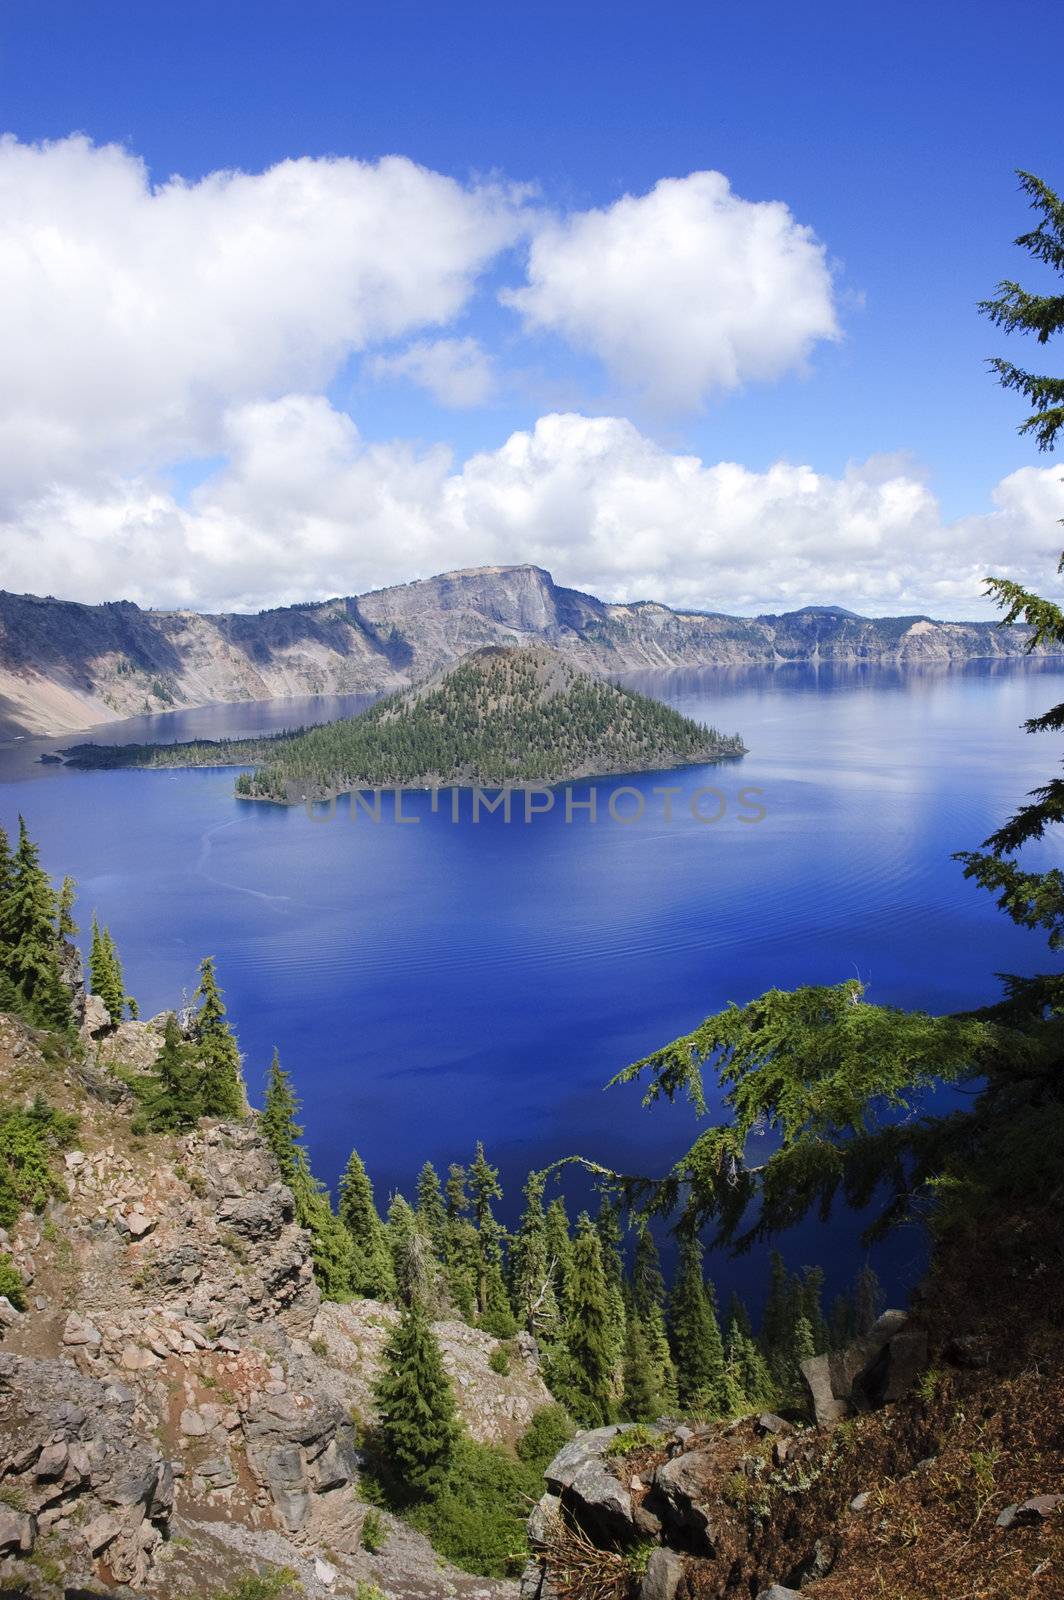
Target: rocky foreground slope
{"points": [[177, 1407], [66, 666]]}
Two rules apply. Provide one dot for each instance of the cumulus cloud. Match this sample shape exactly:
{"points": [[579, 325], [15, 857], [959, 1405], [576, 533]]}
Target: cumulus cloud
{"points": [[305, 508], [455, 372], [683, 291], [133, 317]]}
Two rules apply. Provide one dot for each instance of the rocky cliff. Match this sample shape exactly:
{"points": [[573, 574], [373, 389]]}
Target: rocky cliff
{"points": [[177, 1406], [65, 666]]}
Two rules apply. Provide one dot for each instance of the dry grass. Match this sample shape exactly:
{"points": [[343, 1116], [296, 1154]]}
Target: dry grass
{"points": [[578, 1570]]}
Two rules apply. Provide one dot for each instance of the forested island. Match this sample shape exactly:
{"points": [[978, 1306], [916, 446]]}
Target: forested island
{"points": [[500, 717]]}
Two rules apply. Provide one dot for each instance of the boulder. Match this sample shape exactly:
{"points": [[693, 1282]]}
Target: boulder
{"points": [[580, 1452], [18, 1532], [545, 1514], [663, 1576], [682, 1495], [777, 1592], [600, 1502], [867, 1371], [1036, 1509], [96, 1018]]}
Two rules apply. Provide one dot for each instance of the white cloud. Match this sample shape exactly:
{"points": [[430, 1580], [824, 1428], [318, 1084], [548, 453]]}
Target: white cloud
{"points": [[456, 372], [305, 508], [683, 291], [133, 317]]}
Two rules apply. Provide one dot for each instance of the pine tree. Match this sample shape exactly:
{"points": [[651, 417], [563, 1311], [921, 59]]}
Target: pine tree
{"points": [[457, 1200], [171, 1102], [29, 933], [534, 1272], [641, 1402], [777, 1326], [739, 1316], [484, 1185], [105, 974], [648, 1280], [868, 1299], [67, 927], [697, 1347], [588, 1343], [431, 1211], [842, 1322], [330, 1242], [461, 1266], [418, 1429], [372, 1268], [223, 1089], [804, 1345], [608, 1228], [278, 1122], [811, 1309], [560, 1251], [497, 1316]]}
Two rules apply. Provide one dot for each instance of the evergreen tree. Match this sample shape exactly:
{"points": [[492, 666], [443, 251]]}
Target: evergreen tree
{"points": [[842, 1321], [457, 1200], [697, 1347], [641, 1401], [1014, 309], [739, 1316], [462, 1266], [418, 1428], [372, 1272], [171, 1100], [648, 1280], [223, 1089], [777, 1324], [497, 1315], [330, 1242], [115, 966], [534, 1272], [278, 1122], [812, 1288], [868, 1299], [484, 1185], [560, 1252], [105, 973], [29, 934], [588, 1344], [608, 1228], [431, 1210], [804, 1344], [67, 927]]}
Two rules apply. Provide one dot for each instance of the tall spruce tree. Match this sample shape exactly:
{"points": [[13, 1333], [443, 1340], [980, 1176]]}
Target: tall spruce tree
{"points": [[484, 1186], [431, 1210], [172, 1096], [372, 1271], [697, 1347], [223, 1088], [560, 1251], [497, 1315], [868, 1299], [534, 1272], [66, 927], [418, 1430], [588, 1343], [330, 1242], [29, 934], [278, 1122], [641, 1401]]}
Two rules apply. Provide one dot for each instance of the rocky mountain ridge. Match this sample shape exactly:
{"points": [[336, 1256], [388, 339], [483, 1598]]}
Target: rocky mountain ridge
{"points": [[177, 1406], [66, 666]]}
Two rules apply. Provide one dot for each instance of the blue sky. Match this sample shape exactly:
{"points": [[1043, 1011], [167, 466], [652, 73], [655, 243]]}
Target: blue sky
{"points": [[890, 131]]}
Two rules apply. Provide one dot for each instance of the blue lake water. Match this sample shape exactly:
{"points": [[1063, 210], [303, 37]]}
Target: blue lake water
{"points": [[433, 983]]}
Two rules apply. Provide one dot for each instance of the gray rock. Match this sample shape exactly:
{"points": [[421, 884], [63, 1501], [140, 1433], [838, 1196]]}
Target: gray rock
{"points": [[858, 1376], [682, 1492], [768, 1422], [663, 1576], [574, 1456], [600, 1502], [1036, 1509], [778, 1592], [258, 1216], [18, 1532], [545, 1514], [860, 1501], [8, 1315]]}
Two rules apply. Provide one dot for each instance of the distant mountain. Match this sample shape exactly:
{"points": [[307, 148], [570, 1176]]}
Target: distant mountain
{"points": [[65, 666], [503, 715]]}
